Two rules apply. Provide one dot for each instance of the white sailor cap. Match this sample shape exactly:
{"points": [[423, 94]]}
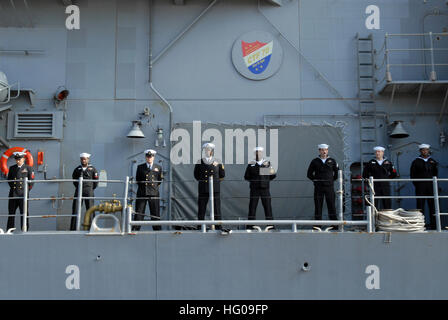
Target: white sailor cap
{"points": [[150, 152], [258, 149], [84, 155], [208, 145], [424, 146], [323, 146], [19, 154], [379, 148]]}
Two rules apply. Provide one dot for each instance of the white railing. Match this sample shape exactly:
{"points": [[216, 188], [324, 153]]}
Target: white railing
{"points": [[127, 212], [435, 183], [388, 52]]}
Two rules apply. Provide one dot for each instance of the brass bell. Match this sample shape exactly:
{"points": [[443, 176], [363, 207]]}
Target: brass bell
{"points": [[398, 131]]}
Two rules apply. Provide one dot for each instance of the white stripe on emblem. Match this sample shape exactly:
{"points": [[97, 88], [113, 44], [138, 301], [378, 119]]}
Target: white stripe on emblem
{"points": [[259, 54]]}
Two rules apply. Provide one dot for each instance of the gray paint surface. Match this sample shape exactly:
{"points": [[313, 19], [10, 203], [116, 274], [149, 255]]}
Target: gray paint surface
{"points": [[105, 67], [192, 265]]}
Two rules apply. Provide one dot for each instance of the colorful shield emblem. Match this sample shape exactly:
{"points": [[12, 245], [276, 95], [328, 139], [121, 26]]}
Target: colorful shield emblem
{"points": [[257, 55]]}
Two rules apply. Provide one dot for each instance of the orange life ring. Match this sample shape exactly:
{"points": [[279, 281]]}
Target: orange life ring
{"points": [[4, 159]]}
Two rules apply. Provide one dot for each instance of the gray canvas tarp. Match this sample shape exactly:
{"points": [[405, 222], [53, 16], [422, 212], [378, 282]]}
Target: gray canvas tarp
{"points": [[292, 192]]}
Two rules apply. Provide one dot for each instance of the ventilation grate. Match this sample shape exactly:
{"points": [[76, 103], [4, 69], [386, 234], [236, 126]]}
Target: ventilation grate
{"points": [[34, 125]]}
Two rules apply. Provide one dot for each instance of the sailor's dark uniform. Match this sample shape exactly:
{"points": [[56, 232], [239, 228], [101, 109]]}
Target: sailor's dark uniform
{"points": [[17, 189], [422, 168], [90, 173], [149, 179], [203, 170], [385, 170], [323, 174], [259, 175]]}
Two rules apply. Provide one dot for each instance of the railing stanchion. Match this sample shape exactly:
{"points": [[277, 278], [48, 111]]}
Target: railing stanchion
{"points": [[386, 56], [369, 218], [433, 76], [25, 206], [125, 204], [212, 202], [294, 227], [340, 198], [371, 192], [436, 203], [79, 204], [129, 218]]}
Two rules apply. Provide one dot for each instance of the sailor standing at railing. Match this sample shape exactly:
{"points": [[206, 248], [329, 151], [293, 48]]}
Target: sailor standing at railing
{"points": [[208, 167], [323, 171], [380, 168], [17, 173], [425, 167], [88, 172], [259, 173], [149, 176]]}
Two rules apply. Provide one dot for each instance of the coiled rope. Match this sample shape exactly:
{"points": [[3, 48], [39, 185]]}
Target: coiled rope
{"points": [[398, 220]]}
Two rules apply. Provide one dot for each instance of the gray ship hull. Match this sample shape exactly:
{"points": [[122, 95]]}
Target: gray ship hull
{"points": [[190, 265]]}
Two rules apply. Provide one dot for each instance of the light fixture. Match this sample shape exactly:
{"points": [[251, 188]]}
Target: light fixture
{"points": [[60, 95], [398, 132], [136, 132], [159, 137]]}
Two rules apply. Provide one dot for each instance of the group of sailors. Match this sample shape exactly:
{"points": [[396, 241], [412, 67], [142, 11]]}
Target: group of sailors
{"points": [[323, 171], [422, 167]]}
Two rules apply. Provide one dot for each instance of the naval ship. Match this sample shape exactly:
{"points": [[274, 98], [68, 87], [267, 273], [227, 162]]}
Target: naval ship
{"points": [[115, 78]]}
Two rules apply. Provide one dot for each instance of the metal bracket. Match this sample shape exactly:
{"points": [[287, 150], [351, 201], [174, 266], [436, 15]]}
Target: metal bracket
{"points": [[388, 237], [114, 230], [443, 106], [420, 89]]}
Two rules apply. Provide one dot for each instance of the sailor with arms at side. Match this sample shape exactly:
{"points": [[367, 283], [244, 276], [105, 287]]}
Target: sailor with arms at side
{"points": [[323, 171], [88, 172], [380, 168], [259, 173], [208, 167], [149, 176], [17, 173], [425, 167]]}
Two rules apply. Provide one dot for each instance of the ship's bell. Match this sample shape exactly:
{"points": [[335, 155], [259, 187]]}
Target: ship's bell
{"points": [[398, 131], [136, 132]]}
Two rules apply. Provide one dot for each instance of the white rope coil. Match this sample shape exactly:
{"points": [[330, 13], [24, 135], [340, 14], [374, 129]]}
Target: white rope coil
{"points": [[400, 220]]}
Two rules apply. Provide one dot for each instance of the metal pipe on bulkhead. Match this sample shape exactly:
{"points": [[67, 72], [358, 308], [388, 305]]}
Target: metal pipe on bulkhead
{"points": [[170, 172]]}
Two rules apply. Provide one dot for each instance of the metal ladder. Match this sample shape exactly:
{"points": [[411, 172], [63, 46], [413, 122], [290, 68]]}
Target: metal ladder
{"points": [[366, 96]]}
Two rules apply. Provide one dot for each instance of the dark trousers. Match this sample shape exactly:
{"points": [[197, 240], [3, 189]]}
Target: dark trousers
{"points": [[426, 189], [13, 204], [265, 196], [327, 192], [154, 210], [382, 189], [202, 206], [88, 203]]}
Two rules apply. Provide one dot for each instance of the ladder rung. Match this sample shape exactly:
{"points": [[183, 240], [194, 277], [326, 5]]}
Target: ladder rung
{"points": [[369, 140], [368, 128], [365, 64], [366, 77], [365, 39], [366, 101], [365, 89], [364, 51]]}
